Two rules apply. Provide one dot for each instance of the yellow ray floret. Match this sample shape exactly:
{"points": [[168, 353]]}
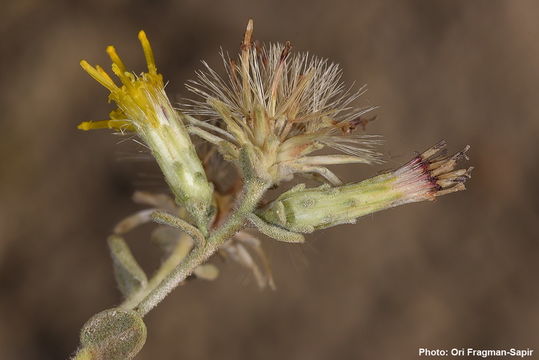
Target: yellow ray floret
{"points": [[144, 108], [122, 125], [148, 53], [138, 98]]}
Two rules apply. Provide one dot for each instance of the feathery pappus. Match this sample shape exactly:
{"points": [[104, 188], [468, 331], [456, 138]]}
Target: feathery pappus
{"points": [[282, 107]]}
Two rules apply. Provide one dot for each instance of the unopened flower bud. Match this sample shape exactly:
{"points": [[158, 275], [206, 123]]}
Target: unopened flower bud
{"points": [[425, 177]]}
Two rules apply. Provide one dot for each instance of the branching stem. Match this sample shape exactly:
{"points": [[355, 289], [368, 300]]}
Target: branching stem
{"points": [[252, 193]]}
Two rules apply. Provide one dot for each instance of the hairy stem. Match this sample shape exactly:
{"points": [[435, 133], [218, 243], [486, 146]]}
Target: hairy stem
{"points": [[179, 253], [251, 195]]}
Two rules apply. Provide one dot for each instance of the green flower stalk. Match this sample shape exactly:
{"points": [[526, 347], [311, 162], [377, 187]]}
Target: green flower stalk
{"points": [[427, 176], [143, 108]]}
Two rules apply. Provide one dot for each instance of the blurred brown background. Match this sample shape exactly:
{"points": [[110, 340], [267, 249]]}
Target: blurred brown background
{"points": [[455, 273]]}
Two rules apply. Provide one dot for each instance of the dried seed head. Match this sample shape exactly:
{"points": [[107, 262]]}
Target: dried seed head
{"points": [[284, 106]]}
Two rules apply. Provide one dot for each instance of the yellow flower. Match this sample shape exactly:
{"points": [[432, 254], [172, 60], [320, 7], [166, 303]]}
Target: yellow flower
{"points": [[137, 96], [282, 107], [143, 107]]}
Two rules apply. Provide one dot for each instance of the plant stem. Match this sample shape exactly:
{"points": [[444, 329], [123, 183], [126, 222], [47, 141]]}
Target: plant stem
{"points": [[252, 193], [180, 252]]}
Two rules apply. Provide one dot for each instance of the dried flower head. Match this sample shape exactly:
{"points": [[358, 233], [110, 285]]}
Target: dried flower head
{"points": [[281, 107]]}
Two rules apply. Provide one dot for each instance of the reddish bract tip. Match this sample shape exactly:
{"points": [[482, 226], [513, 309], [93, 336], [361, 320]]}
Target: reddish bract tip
{"points": [[432, 174]]}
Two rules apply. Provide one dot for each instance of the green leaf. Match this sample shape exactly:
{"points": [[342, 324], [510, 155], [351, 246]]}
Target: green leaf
{"points": [[275, 232], [113, 334], [128, 273], [164, 218]]}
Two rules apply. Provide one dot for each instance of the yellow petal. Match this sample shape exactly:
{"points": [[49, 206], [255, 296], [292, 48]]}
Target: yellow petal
{"points": [[123, 125], [99, 75], [115, 58], [148, 53]]}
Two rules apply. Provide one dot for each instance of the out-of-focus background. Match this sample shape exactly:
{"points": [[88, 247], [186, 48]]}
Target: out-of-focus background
{"points": [[460, 272]]}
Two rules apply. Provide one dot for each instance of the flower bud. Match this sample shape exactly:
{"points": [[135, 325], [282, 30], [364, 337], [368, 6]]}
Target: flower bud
{"points": [[425, 177], [283, 107]]}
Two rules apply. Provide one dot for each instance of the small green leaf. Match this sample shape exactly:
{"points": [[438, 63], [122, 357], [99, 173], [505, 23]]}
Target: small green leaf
{"points": [[164, 218], [129, 275], [113, 334], [275, 232]]}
